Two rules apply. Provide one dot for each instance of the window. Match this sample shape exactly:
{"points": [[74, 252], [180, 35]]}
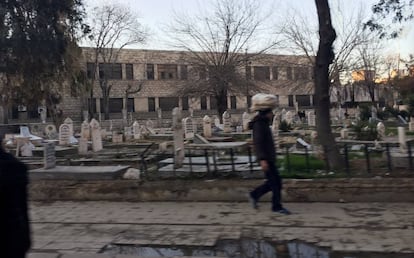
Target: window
{"points": [[110, 71], [290, 100], [184, 72], [213, 103], [115, 105], [301, 73], [168, 103], [233, 102], [303, 100], [275, 72], [289, 73], [130, 105], [167, 71], [261, 73], [129, 71], [90, 70], [151, 104], [203, 102], [184, 101], [150, 72]]}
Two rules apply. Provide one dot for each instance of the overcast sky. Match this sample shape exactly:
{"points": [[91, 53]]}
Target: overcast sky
{"points": [[156, 13]]}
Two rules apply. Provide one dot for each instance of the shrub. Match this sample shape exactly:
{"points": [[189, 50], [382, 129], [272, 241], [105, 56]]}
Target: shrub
{"points": [[285, 126], [365, 131]]}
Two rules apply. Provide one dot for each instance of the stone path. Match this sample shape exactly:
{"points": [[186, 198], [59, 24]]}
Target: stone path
{"points": [[86, 227]]}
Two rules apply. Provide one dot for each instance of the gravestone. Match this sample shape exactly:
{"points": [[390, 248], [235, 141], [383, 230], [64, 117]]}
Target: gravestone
{"points": [[381, 130], [117, 137], [226, 122], [289, 117], [358, 114], [188, 127], [49, 155], [43, 114], [402, 139], [83, 146], [85, 115], [374, 113], [344, 133], [177, 127], [296, 107], [96, 135], [283, 115], [245, 121], [207, 127], [85, 130], [26, 150], [69, 122], [159, 116], [128, 133], [51, 132], [136, 130], [411, 125], [64, 134], [311, 118]]}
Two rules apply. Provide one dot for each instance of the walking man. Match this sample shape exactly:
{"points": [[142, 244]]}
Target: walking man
{"points": [[265, 152], [14, 221]]}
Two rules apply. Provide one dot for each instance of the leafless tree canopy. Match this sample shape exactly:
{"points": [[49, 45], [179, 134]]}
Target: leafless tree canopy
{"points": [[114, 28], [217, 44]]}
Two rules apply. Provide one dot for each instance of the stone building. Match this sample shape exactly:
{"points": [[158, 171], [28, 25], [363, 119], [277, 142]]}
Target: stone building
{"points": [[162, 72]]}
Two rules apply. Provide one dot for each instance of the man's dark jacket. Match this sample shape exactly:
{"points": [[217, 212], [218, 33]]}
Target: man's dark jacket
{"points": [[14, 222], [263, 138]]}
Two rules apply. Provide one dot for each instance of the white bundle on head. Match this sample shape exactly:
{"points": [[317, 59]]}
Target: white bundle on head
{"points": [[262, 101]]}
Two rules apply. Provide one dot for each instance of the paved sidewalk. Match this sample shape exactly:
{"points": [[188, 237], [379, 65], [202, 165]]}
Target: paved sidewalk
{"points": [[86, 227]]}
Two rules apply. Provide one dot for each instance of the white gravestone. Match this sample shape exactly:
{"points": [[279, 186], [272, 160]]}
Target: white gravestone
{"points": [[311, 118], [344, 133], [96, 135], [381, 130], [128, 133], [51, 132], [69, 122], [49, 155], [136, 130], [402, 139], [207, 127], [178, 138], [283, 114], [245, 121], [117, 137], [188, 127], [64, 134], [43, 114], [85, 130], [83, 146], [289, 117], [227, 122], [27, 149]]}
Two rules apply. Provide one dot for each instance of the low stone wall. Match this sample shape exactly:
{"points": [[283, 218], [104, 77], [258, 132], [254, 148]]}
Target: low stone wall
{"points": [[312, 190]]}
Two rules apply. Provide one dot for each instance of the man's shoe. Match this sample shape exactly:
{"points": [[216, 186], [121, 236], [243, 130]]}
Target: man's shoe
{"points": [[253, 201], [283, 211]]}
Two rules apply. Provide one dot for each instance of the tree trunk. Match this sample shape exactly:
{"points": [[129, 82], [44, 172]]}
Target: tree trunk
{"points": [[221, 104], [105, 97], [324, 58]]}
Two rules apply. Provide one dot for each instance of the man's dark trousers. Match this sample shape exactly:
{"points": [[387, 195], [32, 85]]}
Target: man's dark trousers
{"points": [[273, 183]]}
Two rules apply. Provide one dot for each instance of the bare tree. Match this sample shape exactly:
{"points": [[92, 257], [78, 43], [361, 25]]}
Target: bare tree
{"points": [[114, 28], [216, 44]]}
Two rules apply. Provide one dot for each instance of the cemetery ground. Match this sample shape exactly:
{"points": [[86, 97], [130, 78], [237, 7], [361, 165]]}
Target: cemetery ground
{"points": [[173, 192]]}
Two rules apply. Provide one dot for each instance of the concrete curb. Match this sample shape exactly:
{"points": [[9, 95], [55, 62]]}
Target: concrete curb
{"points": [[295, 190]]}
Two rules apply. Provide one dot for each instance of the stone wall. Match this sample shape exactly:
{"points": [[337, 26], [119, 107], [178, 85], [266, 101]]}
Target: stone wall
{"points": [[320, 190]]}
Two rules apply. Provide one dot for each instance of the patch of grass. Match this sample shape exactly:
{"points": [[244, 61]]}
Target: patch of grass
{"points": [[297, 163]]}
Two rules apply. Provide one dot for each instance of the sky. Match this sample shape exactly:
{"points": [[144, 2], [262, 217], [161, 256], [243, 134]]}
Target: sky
{"points": [[155, 14]]}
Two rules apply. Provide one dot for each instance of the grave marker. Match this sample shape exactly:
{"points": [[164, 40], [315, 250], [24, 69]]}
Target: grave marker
{"points": [[49, 154]]}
